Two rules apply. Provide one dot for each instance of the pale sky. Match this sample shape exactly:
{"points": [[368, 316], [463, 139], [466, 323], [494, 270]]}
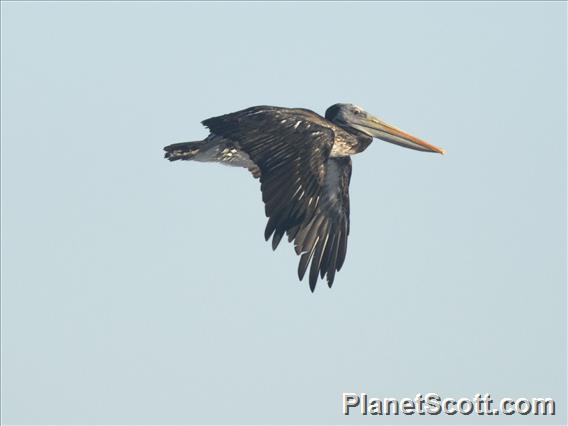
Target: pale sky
{"points": [[136, 291]]}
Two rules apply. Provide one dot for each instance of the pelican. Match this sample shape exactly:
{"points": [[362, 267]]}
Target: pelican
{"points": [[303, 161]]}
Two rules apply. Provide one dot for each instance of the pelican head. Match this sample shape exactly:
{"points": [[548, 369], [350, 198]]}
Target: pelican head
{"points": [[352, 116]]}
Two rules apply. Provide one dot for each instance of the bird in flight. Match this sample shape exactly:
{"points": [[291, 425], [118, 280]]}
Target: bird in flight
{"points": [[304, 166]]}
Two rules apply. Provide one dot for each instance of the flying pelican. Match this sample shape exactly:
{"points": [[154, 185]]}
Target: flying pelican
{"points": [[304, 165]]}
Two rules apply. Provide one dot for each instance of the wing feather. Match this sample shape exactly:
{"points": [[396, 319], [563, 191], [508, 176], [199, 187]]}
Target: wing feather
{"points": [[323, 240], [305, 191]]}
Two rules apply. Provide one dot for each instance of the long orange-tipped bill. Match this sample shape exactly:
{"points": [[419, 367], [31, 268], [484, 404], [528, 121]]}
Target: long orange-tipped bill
{"points": [[392, 134]]}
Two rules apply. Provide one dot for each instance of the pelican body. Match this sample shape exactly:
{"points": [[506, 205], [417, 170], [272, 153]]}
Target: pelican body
{"points": [[303, 162]]}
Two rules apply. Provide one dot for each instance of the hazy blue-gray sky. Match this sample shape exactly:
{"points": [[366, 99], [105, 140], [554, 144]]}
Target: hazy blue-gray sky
{"points": [[139, 291]]}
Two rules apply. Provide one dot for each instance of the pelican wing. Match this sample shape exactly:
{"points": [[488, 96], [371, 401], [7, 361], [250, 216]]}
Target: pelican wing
{"points": [[322, 240], [290, 148], [305, 195]]}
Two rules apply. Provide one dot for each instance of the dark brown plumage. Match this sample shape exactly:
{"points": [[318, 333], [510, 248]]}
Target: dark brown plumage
{"points": [[302, 160]]}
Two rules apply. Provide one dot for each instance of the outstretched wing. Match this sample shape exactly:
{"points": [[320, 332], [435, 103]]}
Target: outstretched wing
{"points": [[291, 147], [323, 239]]}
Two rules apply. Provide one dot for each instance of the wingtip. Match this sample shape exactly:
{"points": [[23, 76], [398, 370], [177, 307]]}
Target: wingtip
{"points": [[301, 272], [329, 282], [276, 239]]}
